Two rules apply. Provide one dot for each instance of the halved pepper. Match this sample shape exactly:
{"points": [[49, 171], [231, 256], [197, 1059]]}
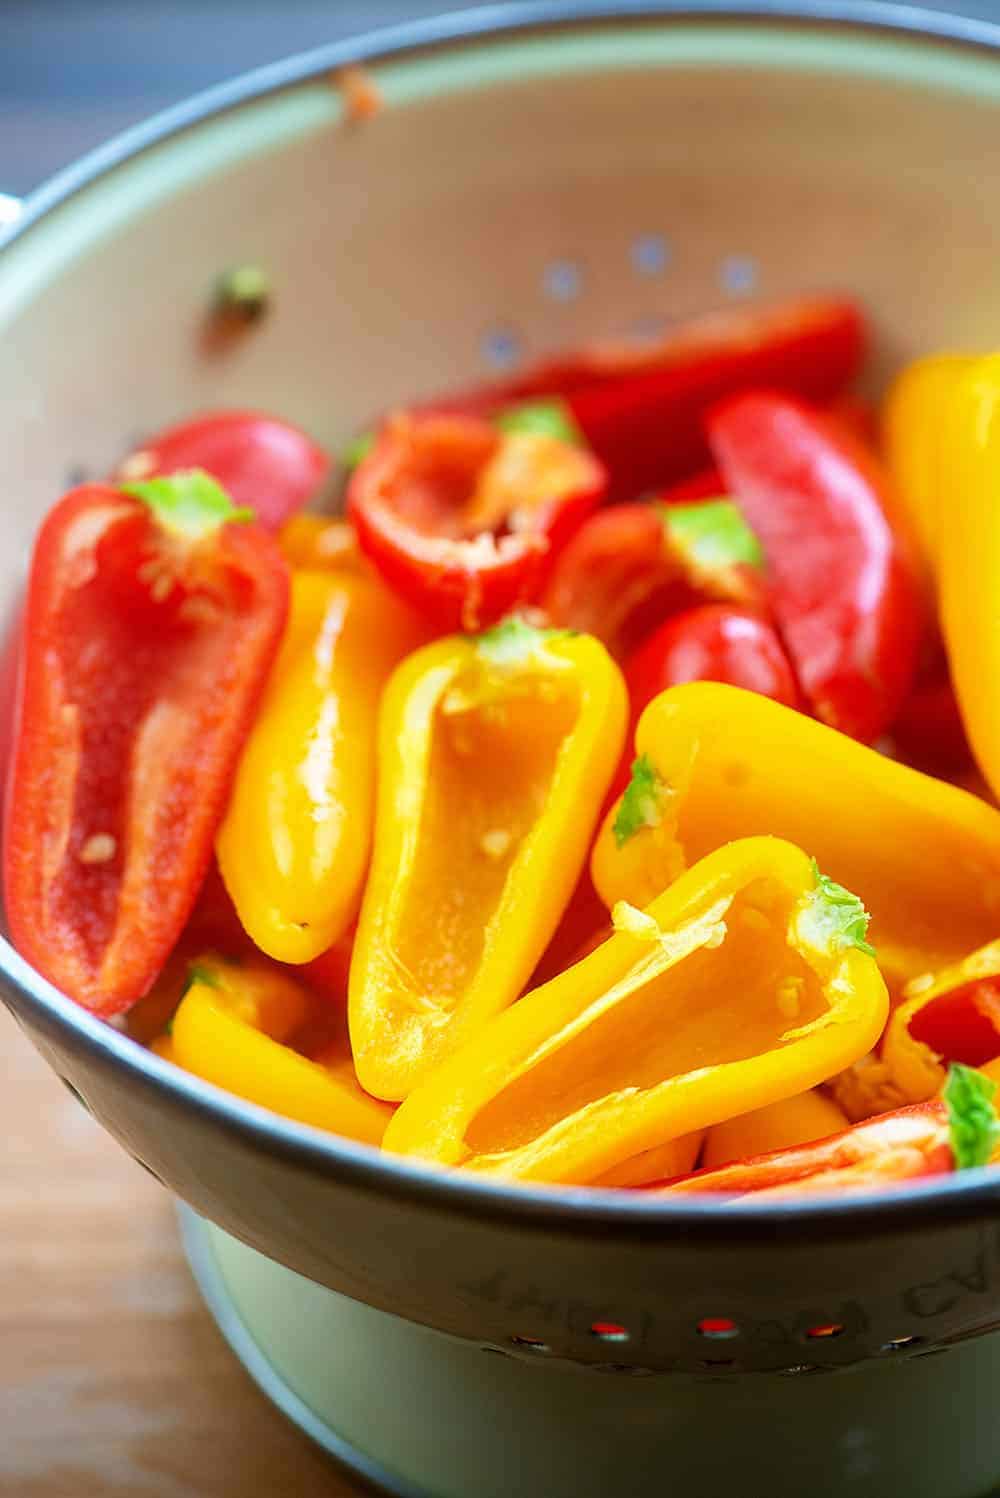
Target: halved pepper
{"points": [[294, 844], [152, 618], [839, 581], [745, 980], [261, 461], [230, 1029], [969, 546], [715, 762], [463, 519], [950, 1015], [631, 567], [319, 541], [494, 755], [640, 404]]}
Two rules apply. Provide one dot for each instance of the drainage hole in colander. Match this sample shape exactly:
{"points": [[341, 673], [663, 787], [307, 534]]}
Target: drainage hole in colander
{"points": [[738, 275], [530, 1344], [719, 1328], [832, 1329], [711, 1365], [798, 1369], [650, 254], [902, 1344], [609, 1331], [501, 348], [562, 280]]}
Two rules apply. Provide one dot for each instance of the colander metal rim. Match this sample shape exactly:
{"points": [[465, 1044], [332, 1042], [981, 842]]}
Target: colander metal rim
{"points": [[613, 1214]]}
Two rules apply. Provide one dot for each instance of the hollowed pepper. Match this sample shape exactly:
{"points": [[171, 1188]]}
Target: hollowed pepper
{"points": [[715, 762], [294, 844], [152, 619], [494, 754], [231, 1027], [749, 979], [464, 519], [950, 1015]]}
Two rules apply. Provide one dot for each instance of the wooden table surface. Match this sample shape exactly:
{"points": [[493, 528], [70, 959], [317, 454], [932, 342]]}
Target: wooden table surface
{"points": [[114, 1382]]}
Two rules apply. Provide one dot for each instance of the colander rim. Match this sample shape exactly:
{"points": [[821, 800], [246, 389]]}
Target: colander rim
{"points": [[605, 1213]]}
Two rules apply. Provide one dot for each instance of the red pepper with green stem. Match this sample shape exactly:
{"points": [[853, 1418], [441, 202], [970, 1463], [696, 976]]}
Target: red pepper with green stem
{"points": [[152, 618], [839, 582], [630, 567], [267, 464]]}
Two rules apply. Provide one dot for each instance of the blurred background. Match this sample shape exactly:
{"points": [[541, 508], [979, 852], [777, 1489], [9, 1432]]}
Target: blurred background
{"points": [[73, 72]]}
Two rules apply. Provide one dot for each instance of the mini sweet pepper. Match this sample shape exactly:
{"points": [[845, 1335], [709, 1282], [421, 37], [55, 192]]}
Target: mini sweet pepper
{"points": [[294, 844], [950, 1015], [715, 762], [231, 1027], [749, 979], [494, 755]]}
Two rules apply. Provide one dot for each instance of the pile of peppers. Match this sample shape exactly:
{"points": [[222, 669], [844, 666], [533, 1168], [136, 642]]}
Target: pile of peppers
{"points": [[604, 796]]}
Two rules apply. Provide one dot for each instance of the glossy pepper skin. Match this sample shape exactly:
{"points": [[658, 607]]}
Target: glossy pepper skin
{"points": [[840, 584], [735, 983], [494, 755], [231, 1029], [630, 567], [899, 1146], [950, 1015], [912, 432], [294, 844], [463, 519], [261, 461], [640, 405], [716, 642], [723, 763], [147, 644], [969, 548]]}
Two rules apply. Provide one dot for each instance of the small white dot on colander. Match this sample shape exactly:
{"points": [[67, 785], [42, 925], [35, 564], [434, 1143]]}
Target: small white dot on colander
{"points": [[738, 275], [562, 280], [650, 254], [501, 348]]}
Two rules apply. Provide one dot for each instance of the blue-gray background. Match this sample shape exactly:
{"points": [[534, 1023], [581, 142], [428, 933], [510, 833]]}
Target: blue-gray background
{"points": [[73, 72]]}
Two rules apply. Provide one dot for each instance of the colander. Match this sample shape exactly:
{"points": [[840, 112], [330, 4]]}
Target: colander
{"points": [[536, 177]]}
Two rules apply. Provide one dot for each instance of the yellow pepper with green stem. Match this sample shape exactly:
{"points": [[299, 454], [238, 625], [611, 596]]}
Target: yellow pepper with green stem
{"points": [[294, 845], [230, 1028], [748, 981], [495, 752], [950, 1015], [715, 763]]}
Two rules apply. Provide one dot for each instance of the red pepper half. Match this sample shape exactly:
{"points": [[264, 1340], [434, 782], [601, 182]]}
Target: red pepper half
{"points": [[896, 1147], [269, 465], [463, 519], [842, 593], [630, 567], [150, 627], [640, 405]]}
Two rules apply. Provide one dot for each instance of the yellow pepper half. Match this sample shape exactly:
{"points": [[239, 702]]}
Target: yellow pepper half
{"points": [[913, 425], [229, 1029], [716, 762], [494, 754], [317, 541], [794, 1120], [294, 845], [748, 980], [970, 558], [959, 1008]]}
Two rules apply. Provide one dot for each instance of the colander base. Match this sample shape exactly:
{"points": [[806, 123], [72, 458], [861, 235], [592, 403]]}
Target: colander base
{"points": [[424, 1415]]}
